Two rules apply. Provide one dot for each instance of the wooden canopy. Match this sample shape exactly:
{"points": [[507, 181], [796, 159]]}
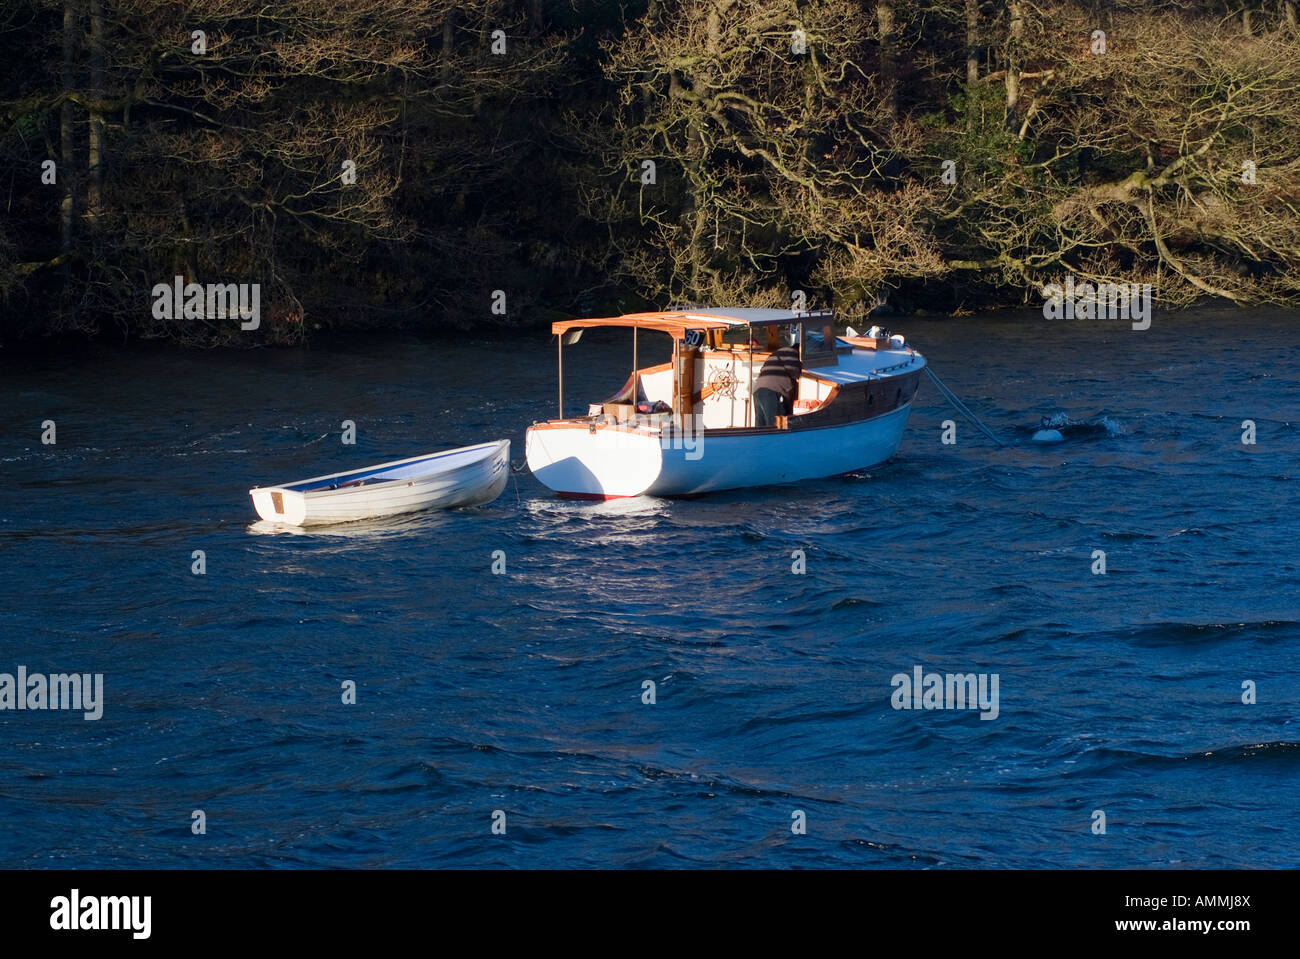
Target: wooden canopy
{"points": [[663, 322], [676, 322]]}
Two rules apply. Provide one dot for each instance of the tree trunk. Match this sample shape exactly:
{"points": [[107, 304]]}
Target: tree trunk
{"points": [[67, 139], [448, 39], [95, 149], [1016, 11], [697, 149], [888, 57], [972, 41]]}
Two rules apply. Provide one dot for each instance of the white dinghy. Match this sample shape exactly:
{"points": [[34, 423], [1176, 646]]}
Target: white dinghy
{"points": [[468, 476]]}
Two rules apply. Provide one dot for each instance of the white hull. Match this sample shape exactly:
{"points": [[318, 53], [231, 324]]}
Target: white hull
{"points": [[468, 476], [606, 463]]}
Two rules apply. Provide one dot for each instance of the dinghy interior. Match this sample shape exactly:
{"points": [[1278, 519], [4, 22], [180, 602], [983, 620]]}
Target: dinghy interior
{"points": [[408, 469]]}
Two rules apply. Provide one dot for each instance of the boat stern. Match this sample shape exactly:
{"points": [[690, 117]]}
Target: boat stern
{"points": [[277, 505], [594, 461]]}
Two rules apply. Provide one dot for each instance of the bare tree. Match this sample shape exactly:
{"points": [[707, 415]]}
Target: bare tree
{"points": [[772, 157]]}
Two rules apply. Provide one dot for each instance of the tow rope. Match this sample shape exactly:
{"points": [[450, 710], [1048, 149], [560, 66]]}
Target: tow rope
{"points": [[961, 407]]}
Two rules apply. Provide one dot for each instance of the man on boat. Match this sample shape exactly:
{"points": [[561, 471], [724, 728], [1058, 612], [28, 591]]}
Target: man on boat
{"points": [[776, 385]]}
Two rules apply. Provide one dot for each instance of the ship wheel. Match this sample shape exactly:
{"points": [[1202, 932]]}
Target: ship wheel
{"points": [[721, 382]]}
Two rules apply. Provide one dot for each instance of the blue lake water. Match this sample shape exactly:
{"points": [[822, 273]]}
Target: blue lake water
{"points": [[522, 692]]}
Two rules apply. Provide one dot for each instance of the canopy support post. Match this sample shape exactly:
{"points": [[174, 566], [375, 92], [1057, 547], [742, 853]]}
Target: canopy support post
{"points": [[749, 400], [559, 346]]}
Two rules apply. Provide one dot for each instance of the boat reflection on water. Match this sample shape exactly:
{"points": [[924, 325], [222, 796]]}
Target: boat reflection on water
{"points": [[376, 529], [631, 507]]}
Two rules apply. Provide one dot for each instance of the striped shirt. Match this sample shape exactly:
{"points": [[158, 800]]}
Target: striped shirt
{"points": [[781, 373]]}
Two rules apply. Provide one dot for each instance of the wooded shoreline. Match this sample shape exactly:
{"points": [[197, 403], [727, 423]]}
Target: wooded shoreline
{"points": [[362, 165]]}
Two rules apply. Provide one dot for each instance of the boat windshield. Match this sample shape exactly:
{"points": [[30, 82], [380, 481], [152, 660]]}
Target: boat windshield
{"points": [[817, 342]]}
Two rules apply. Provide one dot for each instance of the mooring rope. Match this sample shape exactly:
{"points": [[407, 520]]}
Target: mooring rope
{"points": [[961, 407]]}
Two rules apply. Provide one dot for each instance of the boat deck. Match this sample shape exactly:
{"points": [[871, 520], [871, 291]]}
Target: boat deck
{"points": [[866, 365]]}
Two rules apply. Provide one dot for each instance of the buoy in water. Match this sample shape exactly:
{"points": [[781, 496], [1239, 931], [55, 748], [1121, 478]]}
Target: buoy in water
{"points": [[1048, 436]]}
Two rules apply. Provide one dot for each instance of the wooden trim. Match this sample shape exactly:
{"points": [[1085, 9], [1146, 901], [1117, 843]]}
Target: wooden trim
{"points": [[671, 324], [867, 342], [680, 321], [684, 383], [586, 426]]}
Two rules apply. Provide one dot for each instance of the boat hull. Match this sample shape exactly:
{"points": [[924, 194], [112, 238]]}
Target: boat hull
{"points": [[469, 476], [608, 462]]}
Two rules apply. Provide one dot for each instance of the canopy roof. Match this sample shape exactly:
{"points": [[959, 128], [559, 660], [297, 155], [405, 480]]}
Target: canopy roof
{"points": [[679, 321]]}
